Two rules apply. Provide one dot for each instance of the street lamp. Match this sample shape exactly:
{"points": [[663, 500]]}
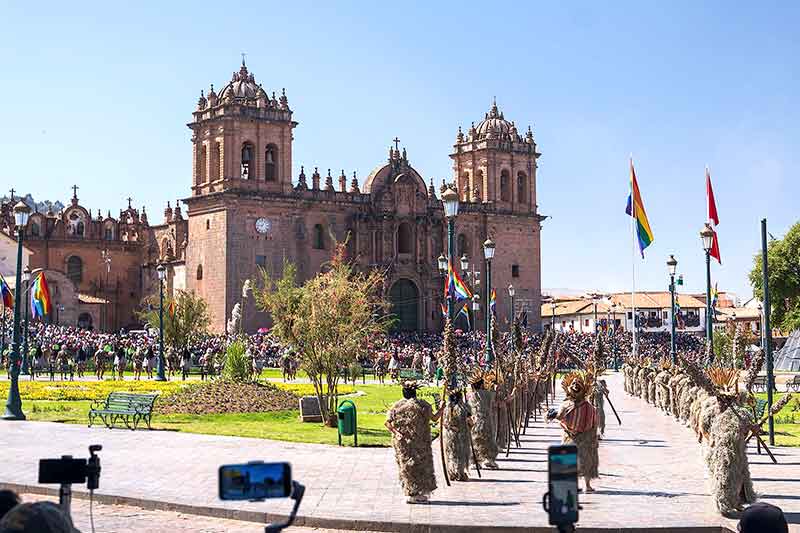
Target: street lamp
{"points": [[442, 264], [450, 201], [14, 402], [511, 292], [488, 252], [707, 236], [162, 274], [672, 266], [553, 320], [26, 277], [464, 262]]}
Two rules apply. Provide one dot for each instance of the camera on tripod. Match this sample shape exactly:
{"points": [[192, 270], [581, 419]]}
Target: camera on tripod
{"points": [[68, 470]]}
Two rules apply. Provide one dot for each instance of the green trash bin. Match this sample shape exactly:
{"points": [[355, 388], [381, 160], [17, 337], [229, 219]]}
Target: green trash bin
{"points": [[347, 421]]}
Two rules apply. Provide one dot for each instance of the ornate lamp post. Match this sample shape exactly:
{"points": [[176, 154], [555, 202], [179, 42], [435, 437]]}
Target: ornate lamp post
{"points": [[672, 265], [707, 236], [488, 252], [511, 293], [450, 201], [553, 318], [476, 306], [162, 274], [14, 402], [26, 277]]}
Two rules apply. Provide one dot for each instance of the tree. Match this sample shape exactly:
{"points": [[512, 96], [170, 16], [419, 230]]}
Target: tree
{"points": [[185, 316], [783, 256], [328, 320]]}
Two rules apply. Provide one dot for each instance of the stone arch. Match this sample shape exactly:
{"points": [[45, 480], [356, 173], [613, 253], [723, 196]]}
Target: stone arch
{"points": [[202, 155], [216, 159], [271, 163], [318, 237], [404, 298], [248, 159], [505, 186], [462, 245], [522, 187], [199, 274]]}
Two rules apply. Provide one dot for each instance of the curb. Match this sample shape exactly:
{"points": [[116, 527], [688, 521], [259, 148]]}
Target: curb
{"points": [[335, 523]]}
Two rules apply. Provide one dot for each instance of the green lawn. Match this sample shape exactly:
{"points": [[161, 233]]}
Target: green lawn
{"points": [[281, 425], [787, 421]]}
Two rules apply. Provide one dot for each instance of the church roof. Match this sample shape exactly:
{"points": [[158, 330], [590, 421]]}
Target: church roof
{"points": [[242, 85], [494, 121]]}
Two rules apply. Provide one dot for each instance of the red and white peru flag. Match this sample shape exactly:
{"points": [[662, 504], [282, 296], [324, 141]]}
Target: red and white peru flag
{"points": [[713, 218]]}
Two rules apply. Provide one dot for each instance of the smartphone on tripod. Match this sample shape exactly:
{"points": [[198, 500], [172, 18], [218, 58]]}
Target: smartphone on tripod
{"points": [[562, 479]]}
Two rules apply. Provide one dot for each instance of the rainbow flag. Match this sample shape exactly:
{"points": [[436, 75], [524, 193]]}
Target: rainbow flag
{"points": [[465, 313], [5, 292], [40, 296], [493, 302], [635, 208], [171, 308], [455, 286]]}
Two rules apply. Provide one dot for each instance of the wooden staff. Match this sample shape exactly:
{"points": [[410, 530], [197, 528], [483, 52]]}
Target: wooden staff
{"points": [[441, 435]]}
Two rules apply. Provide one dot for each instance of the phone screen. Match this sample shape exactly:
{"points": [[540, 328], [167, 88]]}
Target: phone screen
{"points": [[255, 481], [562, 469]]}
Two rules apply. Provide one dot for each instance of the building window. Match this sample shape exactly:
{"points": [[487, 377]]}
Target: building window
{"points": [[201, 164], [215, 161], [247, 161], [35, 230], [630, 315], [586, 322], [199, 272], [666, 315], [505, 186], [522, 188], [109, 232], [514, 271], [404, 238], [261, 261], [208, 224], [271, 163], [319, 237], [463, 246], [75, 269]]}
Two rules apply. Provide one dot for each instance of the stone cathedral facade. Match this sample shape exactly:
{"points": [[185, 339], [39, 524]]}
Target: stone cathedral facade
{"points": [[244, 210]]}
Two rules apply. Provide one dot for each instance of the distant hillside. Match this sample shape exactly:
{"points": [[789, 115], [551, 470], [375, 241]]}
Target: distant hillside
{"points": [[41, 207]]}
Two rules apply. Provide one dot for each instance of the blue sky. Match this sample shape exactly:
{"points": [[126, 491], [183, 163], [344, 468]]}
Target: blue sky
{"points": [[99, 94]]}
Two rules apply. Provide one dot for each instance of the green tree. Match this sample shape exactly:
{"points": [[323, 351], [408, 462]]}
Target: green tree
{"points": [[237, 365], [185, 316], [783, 256], [328, 320]]}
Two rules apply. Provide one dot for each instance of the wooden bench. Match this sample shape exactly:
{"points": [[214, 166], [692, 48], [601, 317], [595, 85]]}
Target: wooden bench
{"points": [[760, 384], [407, 373], [129, 407], [793, 384]]}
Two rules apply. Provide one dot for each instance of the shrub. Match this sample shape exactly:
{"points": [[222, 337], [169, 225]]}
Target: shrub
{"points": [[237, 366]]}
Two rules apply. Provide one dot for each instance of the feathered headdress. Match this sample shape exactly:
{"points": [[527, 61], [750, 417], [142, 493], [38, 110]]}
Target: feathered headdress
{"points": [[577, 384]]}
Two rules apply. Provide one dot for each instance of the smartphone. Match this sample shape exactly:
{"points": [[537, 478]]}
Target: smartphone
{"points": [[255, 481], [562, 478]]}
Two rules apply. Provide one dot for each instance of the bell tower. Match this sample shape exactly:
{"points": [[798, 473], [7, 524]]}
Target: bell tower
{"points": [[494, 163], [241, 138]]}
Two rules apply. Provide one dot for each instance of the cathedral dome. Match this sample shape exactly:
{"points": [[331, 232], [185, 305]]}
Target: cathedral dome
{"points": [[493, 122], [242, 85]]}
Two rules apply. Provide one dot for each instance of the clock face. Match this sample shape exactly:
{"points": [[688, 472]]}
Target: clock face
{"points": [[263, 225]]}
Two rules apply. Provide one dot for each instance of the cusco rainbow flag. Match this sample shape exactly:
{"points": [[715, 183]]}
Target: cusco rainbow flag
{"points": [[453, 285], [5, 293], [493, 302], [635, 209], [40, 296]]}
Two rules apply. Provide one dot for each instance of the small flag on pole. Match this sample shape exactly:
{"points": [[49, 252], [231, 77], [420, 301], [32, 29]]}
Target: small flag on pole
{"points": [[713, 218], [635, 209], [40, 296], [465, 313], [455, 286], [171, 308], [493, 302], [5, 292]]}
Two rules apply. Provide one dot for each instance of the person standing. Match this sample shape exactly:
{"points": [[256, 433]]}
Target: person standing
{"points": [[482, 402], [456, 436], [408, 421]]}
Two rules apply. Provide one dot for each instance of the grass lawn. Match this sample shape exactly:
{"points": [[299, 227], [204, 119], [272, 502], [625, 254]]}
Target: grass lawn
{"points": [[71, 401], [787, 421]]}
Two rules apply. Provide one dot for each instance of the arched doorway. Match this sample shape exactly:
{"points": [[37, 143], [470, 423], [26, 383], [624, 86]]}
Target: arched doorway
{"points": [[85, 321], [404, 297]]}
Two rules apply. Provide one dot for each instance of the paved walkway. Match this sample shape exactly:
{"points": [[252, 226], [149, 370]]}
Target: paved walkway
{"points": [[651, 476]]}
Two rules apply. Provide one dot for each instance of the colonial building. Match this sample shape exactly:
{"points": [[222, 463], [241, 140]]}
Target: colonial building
{"points": [[245, 212]]}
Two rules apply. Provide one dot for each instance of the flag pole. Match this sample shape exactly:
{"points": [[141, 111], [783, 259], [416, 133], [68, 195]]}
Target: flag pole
{"points": [[633, 261]]}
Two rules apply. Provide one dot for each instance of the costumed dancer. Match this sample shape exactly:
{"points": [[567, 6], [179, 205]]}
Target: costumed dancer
{"points": [[457, 436], [578, 419], [482, 400], [409, 423], [599, 402]]}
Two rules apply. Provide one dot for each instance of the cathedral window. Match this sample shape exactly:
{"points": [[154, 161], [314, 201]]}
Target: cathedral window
{"points": [[215, 162], [201, 164], [505, 186], [514, 271], [404, 239], [199, 272], [75, 269], [463, 245], [247, 161], [522, 188], [319, 237], [463, 187], [35, 229], [271, 163], [109, 232]]}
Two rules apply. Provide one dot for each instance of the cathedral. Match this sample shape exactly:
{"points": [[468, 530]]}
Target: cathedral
{"points": [[244, 212]]}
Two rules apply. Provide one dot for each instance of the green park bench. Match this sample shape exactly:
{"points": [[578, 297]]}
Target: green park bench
{"points": [[407, 373], [793, 384], [129, 407]]}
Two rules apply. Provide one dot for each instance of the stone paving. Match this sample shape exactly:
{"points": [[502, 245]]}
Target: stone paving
{"points": [[652, 476]]}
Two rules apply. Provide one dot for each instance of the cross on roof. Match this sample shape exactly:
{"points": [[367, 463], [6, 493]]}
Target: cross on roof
{"points": [[129, 201], [75, 191], [12, 191], [396, 142], [243, 56]]}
